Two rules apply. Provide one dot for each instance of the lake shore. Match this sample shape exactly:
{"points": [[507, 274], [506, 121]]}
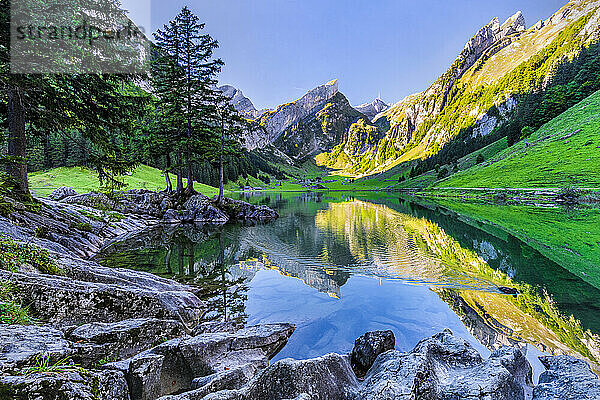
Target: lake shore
{"points": [[113, 333]]}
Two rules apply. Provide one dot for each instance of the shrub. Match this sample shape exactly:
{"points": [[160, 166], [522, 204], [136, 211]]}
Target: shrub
{"points": [[10, 311], [83, 226], [527, 131], [13, 255], [443, 173], [41, 232], [479, 159]]}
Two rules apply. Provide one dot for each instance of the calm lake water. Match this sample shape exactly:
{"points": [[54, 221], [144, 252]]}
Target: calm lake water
{"points": [[340, 265]]}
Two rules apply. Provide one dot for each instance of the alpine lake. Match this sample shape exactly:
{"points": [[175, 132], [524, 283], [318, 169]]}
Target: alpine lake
{"points": [[338, 265]]}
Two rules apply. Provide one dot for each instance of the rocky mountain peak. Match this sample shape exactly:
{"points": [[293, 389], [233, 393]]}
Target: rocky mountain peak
{"points": [[276, 121], [373, 108], [492, 33], [240, 102]]}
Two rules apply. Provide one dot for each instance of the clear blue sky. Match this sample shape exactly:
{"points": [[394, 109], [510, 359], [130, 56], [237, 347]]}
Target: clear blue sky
{"points": [[275, 50]]}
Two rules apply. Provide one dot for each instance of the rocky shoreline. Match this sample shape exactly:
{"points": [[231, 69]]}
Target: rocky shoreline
{"points": [[112, 334]]}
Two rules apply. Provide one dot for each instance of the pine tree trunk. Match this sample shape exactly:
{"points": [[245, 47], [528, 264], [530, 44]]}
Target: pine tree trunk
{"points": [[189, 190], [17, 144], [169, 188], [220, 199], [47, 160], [179, 188]]}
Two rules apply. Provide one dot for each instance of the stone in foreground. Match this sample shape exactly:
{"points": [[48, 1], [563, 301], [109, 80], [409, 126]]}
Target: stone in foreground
{"points": [[368, 347], [567, 378], [119, 340], [171, 367], [21, 346], [445, 367], [65, 385]]}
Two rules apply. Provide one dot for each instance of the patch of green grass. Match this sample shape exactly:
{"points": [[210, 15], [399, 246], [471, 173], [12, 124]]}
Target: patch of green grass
{"points": [[565, 152], [12, 312], [83, 226], [85, 180], [106, 360], [13, 255], [43, 364]]}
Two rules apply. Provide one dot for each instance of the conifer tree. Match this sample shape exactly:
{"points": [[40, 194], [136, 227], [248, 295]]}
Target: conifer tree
{"points": [[183, 76]]}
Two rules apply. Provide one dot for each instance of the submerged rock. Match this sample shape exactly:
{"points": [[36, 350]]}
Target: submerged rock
{"points": [[159, 205], [566, 378], [368, 347], [238, 210]]}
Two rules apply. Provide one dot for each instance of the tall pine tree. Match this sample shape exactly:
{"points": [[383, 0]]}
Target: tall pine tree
{"points": [[184, 73]]}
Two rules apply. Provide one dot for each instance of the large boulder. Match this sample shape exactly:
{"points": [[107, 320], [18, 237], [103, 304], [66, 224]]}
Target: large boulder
{"points": [[61, 193], [323, 378], [566, 378], [443, 367], [238, 210], [98, 341], [171, 366], [21, 346], [63, 301], [227, 381], [65, 384], [368, 347]]}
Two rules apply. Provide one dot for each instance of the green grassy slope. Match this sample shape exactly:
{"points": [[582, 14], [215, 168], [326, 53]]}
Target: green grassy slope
{"points": [[85, 180], [564, 152]]}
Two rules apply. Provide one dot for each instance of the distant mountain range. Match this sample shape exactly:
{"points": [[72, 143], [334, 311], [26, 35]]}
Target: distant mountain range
{"points": [[479, 91]]}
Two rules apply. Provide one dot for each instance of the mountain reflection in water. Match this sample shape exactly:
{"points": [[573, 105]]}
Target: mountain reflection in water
{"points": [[412, 270]]}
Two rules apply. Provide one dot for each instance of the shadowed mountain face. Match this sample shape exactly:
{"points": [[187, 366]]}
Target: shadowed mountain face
{"points": [[332, 262]]}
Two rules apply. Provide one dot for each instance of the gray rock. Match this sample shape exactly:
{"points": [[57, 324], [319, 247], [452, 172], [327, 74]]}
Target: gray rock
{"points": [[566, 378], [118, 340], [225, 380], [216, 352], [170, 367], [286, 115], [373, 108], [66, 385], [238, 210], [216, 327], [368, 347], [62, 301], [323, 378], [443, 367], [61, 193], [21, 346]]}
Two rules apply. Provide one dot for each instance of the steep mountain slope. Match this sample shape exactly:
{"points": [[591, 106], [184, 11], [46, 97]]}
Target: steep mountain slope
{"points": [[482, 88], [564, 152], [312, 124], [322, 130]]}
